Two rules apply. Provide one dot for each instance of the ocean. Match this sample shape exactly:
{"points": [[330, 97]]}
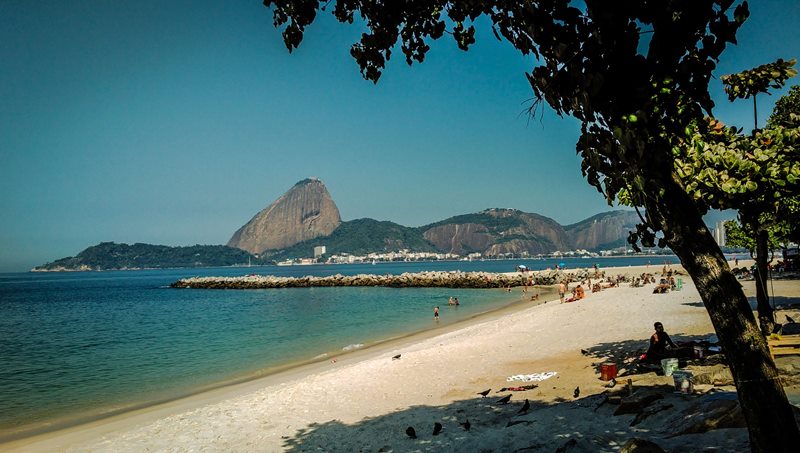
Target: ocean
{"points": [[81, 345]]}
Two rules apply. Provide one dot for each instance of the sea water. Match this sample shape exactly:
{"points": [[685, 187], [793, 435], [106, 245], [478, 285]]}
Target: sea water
{"points": [[80, 345]]}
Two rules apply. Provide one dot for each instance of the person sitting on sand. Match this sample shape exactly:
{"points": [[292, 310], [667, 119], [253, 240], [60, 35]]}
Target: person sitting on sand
{"points": [[658, 344], [579, 293]]}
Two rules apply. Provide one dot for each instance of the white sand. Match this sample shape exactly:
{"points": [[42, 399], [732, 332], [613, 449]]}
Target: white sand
{"points": [[366, 401]]}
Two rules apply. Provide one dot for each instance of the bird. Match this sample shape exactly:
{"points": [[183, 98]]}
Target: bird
{"points": [[484, 393], [411, 432], [437, 428], [789, 318], [396, 357], [577, 392], [466, 425], [505, 399], [525, 407], [611, 384]]}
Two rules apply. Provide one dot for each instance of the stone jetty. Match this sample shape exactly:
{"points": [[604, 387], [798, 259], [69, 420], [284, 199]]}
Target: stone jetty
{"points": [[453, 279]]}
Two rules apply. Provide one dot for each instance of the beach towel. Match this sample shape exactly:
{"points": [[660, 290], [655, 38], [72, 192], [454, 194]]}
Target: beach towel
{"points": [[535, 377]]}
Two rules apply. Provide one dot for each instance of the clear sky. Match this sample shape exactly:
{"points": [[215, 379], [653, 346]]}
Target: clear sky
{"points": [[174, 122]]}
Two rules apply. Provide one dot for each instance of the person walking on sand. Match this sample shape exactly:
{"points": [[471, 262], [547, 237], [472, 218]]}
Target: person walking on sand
{"points": [[436, 313], [562, 289]]}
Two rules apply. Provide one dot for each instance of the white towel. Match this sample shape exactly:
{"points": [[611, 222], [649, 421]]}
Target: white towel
{"points": [[535, 377]]}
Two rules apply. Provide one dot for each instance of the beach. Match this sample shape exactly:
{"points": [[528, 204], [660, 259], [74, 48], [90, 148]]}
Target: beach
{"points": [[364, 401]]}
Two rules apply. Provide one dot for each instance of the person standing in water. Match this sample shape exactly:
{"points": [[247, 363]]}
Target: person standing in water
{"points": [[436, 313]]}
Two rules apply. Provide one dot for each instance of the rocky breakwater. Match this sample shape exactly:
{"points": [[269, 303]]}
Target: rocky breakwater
{"points": [[453, 279]]}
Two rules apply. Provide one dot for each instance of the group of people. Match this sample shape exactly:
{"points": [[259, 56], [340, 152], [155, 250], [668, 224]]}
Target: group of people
{"points": [[452, 301], [578, 293]]}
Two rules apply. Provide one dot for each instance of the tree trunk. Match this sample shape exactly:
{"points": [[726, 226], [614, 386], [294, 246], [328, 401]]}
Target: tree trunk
{"points": [[766, 317], [769, 415]]}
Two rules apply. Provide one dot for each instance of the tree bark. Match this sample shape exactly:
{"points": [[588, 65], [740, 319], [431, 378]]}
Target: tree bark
{"points": [[766, 317], [769, 415]]}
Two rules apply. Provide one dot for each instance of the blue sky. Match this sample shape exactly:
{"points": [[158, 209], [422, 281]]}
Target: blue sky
{"points": [[174, 122]]}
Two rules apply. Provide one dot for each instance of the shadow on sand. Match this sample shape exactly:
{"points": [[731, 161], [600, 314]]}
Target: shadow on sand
{"points": [[587, 423]]}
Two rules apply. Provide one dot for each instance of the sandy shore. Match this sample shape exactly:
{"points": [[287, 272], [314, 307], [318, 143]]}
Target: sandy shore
{"points": [[365, 401]]}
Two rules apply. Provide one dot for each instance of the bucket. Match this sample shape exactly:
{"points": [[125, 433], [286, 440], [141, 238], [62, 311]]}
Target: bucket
{"points": [[683, 381], [669, 365], [608, 371], [698, 352]]}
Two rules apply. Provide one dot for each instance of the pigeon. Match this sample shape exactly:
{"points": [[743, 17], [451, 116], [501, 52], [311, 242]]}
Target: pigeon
{"points": [[611, 384], [484, 393], [577, 392], [789, 318], [437, 428], [504, 400], [525, 407], [396, 357], [466, 425], [411, 432]]}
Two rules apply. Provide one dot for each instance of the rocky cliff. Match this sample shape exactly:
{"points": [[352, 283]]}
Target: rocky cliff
{"points": [[603, 231], [497, 231], [305, 212]]}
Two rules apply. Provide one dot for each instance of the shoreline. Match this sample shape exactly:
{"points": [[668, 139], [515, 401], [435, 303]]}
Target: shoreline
{"points": [[438, 369], [266, 376]]}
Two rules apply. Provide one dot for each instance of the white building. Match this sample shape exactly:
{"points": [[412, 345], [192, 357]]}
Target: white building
{"points": [[719, 233], [319, 251]]}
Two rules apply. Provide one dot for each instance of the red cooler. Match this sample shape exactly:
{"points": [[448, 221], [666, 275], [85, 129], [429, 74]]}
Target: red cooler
{"points": [[608, 371]]}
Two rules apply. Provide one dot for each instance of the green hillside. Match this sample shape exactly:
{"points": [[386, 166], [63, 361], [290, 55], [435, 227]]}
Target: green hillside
{"points": [[359, 237], [110, 255]]}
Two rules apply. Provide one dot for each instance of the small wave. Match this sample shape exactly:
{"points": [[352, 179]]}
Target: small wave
{"points": [[321, 356], [352, 347]]}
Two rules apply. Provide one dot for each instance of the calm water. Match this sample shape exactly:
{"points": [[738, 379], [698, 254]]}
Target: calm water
{"points": [[76, 345]]}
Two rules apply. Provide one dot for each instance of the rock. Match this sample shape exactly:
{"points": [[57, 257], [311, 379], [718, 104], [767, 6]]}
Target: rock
{"points": [[717, 375], [637, 402], [636, 445], [650, 410], [713, 411], [305, 212]]}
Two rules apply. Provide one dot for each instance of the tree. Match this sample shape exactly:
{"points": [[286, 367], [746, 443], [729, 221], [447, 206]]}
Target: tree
{"points": [[636, 74]]}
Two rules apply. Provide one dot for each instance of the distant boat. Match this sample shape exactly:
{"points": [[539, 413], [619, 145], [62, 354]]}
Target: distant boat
{"points": [[373, 261]]}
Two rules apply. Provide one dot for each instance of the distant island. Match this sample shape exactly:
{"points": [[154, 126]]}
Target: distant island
{"points": [[303, 226]]}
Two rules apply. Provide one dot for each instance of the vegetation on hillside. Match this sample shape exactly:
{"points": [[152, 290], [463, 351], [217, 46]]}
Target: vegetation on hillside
{"points": [[110, 256]]}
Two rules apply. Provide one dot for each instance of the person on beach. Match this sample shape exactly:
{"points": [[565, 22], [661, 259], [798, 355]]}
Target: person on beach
{"points": [[579, 293], [436, 313], [562, 289], [658, 344]]}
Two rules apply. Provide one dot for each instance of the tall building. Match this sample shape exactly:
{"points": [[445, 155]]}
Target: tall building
{"points": [[319, 251], [719, 233]]}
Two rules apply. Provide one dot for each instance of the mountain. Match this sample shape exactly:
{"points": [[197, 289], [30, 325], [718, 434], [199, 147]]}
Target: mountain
{"points": [[497, 231], [110, 256], [306, 217], [493, 232], [603, 231], [305, 212]]}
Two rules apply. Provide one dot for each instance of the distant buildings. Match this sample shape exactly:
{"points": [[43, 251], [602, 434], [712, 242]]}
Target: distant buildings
{"points": [[319, 251], [719, 233]]}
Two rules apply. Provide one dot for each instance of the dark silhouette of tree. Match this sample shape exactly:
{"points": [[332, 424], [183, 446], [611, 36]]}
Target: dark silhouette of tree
{"points": [[636, 74]]}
